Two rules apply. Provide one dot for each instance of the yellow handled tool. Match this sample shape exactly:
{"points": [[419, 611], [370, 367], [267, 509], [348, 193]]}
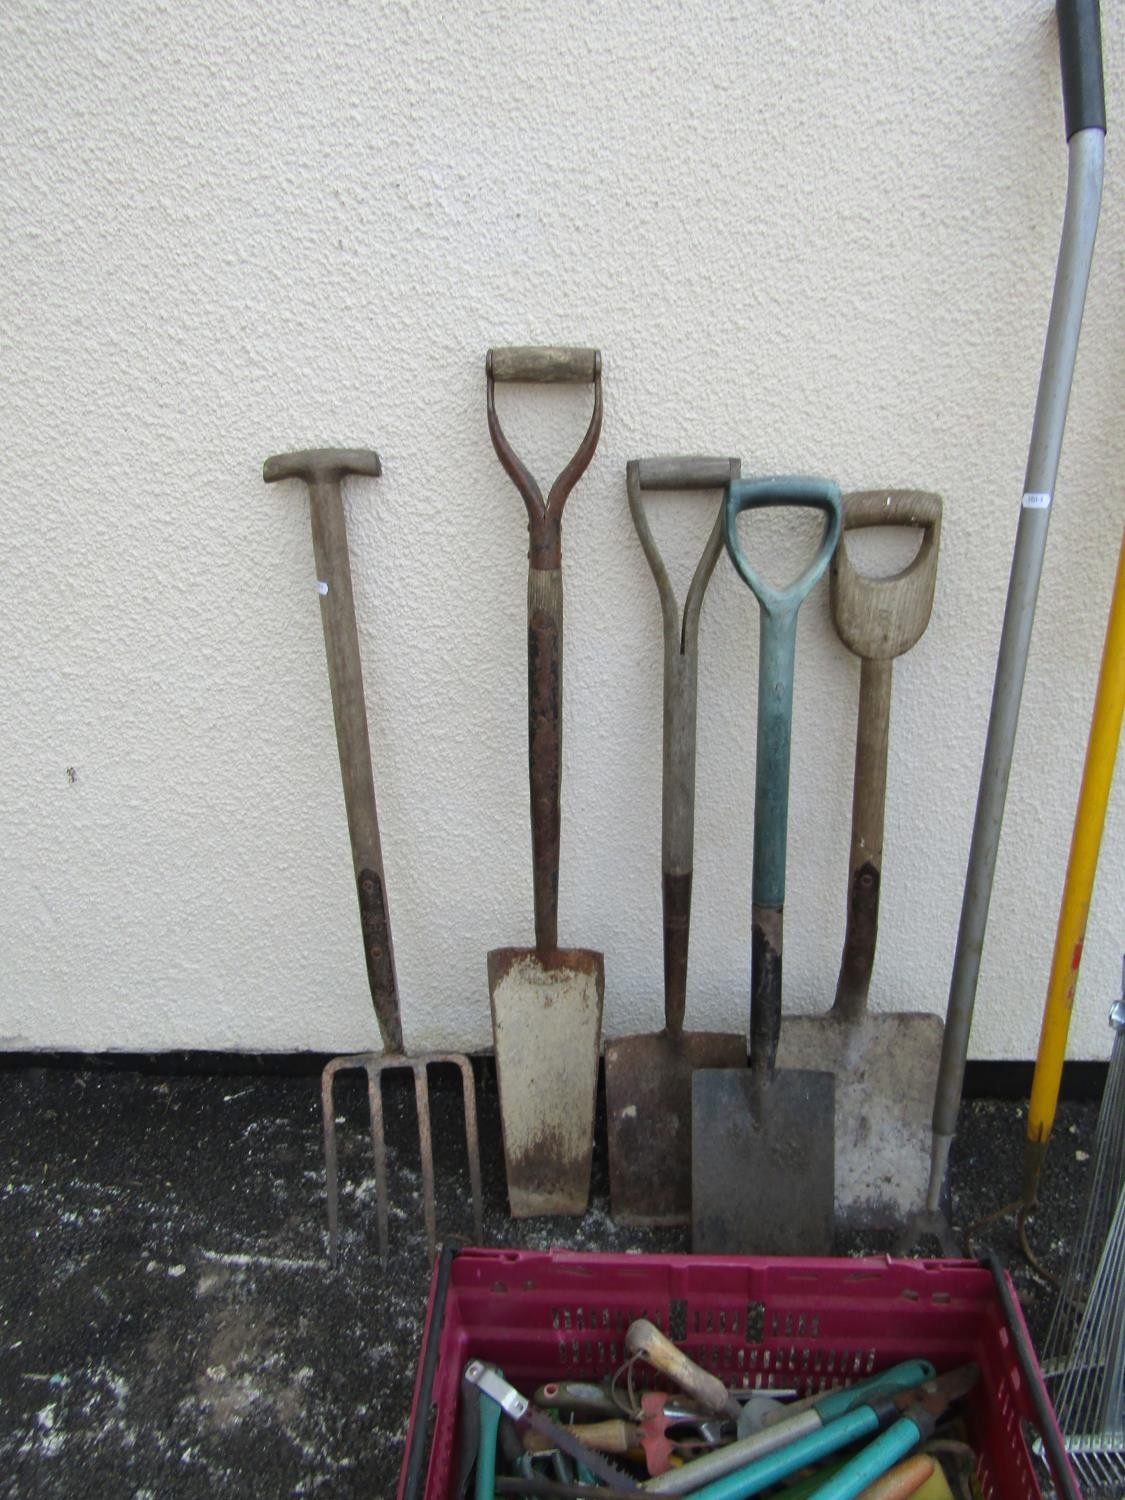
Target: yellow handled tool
{"points": [[1101, 753]]}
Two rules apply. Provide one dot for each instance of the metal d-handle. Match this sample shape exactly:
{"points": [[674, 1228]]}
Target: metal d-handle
{"points": [[776, 654]]}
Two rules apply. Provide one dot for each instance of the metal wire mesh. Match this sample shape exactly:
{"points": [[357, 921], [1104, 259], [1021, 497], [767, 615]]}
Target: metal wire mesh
{"points": [[1084, 1353]]}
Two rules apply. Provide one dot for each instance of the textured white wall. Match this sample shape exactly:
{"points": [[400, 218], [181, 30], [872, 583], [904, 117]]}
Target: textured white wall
{"points": [[818, 236]]}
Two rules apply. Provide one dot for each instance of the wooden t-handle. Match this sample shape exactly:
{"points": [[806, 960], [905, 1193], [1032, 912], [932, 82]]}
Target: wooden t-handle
{"points": [[646, 1340]]}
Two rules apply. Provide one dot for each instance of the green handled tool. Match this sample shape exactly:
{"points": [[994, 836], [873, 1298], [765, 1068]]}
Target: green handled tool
{"points": [[762, 1118], [909, 1414], [810, 1418]]}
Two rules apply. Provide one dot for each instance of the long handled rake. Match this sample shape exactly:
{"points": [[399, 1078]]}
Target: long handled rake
{"points": [[323, 469]]}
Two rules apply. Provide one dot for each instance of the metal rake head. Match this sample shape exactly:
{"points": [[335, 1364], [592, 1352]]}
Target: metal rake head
{"points": [[375, 1064]]}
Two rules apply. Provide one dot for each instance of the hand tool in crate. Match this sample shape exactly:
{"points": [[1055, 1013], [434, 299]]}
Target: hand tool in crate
{"points": [[323, 470], [763, 1140], [546, 1001], [885, 1065], [816, 1323], [1080, 53], [648, 1077]]}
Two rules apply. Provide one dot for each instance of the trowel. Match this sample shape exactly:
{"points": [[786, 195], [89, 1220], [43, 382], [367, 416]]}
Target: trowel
{"points": [[885, 1064], [546, 1000]]}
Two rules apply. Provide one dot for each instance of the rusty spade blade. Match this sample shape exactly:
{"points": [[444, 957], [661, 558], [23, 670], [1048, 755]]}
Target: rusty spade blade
{"points": [[648, 1077], [547, 1001]]}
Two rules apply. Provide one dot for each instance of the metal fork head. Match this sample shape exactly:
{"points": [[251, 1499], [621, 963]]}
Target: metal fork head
{"points": [[375, 1064]]}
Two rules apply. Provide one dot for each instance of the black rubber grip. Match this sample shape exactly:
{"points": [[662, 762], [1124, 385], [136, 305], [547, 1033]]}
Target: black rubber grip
{"points": [[1080, 53]]}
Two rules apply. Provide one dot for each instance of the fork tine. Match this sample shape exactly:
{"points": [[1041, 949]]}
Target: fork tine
{"points": [[374, 1068], [426, 1148], [472, 1143], [331, 1170]]}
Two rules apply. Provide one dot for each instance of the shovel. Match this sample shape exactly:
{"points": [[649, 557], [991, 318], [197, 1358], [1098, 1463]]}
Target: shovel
{"points": [[763, 1148], [648, 1077], [546, 1000], [885, 1065]]}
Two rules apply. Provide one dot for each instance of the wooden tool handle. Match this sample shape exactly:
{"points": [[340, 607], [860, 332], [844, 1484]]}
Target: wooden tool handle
{"points": [[645, 1339], [884, 617], [614, 1435], [322, 469], [685, 473], [681, 658], [544, 745], [866, 865], [544, 517], [551, 363]]}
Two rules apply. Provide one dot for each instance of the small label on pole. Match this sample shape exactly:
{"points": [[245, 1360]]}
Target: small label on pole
{"points": [[321, 586], [1036, 502]]}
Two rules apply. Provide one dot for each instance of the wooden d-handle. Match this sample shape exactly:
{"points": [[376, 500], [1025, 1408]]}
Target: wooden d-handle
{"points": [[646, 1340], [880, 618], [541, 364]]}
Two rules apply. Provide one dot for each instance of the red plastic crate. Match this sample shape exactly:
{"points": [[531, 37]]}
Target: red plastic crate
{"points": [[754, 1321]]}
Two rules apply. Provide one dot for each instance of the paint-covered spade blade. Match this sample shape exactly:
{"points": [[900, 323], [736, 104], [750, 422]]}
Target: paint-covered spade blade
{"points": [[546, 1024], [762, 1163]]}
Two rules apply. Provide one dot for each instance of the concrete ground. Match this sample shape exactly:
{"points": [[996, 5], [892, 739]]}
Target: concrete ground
{"points": [[169, 1324]]}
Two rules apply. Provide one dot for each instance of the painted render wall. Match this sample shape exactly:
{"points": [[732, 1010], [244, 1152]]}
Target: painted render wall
{"points": [[819, 236]]}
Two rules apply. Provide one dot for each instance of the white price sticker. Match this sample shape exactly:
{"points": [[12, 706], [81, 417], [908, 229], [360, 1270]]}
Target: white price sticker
{"points": [[1036, 502]]}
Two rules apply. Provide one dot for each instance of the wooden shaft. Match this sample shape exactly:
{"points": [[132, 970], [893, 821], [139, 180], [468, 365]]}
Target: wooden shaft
{"points": [[681, 672], [645, 1339], [345, 675], [544, 744], [865, 870], [614, 1435]]}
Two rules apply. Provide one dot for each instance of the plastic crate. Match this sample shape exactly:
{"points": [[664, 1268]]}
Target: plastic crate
{"points": [[754, 1321]]}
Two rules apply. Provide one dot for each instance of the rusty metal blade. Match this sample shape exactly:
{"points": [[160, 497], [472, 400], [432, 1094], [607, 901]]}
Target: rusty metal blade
{"points": [[886, 1072], [762, 1162], [546, 1023], [648, 1105]]}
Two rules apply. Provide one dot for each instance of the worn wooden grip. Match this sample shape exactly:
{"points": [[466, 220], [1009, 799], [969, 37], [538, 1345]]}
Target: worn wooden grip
{"points": [[611, 1436], [549, 363], [891, 508], [684, 473], [866, 863], [321, 469], [645, 1339], [544, 744], [880, 618], [313, 464]]}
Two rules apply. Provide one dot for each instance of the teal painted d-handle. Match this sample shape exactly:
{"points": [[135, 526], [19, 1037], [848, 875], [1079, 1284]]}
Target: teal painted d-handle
{"points": [[776, 655]]}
